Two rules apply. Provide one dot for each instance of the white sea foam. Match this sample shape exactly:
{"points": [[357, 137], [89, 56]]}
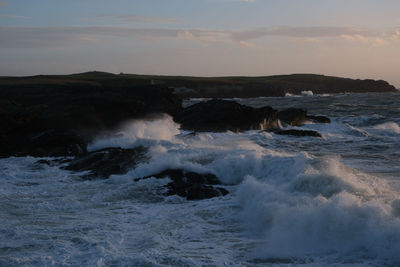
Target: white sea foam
{"points": [[299, 204], [323, 208], [307, 93], [390, 127], [139, 132], [290, 199]]}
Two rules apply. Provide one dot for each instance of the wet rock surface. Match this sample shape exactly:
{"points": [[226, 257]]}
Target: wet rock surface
{"points": [[293, 116], [319, 119], [224, 115], [190, 185], [298, 117], [105, 162]]}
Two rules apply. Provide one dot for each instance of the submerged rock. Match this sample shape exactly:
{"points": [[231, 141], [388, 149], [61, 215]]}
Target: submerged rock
{"points": [[105, 162], [190, 185], [299, 133], [223, 115], [319, 119]]}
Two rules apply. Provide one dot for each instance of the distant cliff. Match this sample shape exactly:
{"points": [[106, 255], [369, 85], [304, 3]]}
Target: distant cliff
{"points": [[228, 87], [213, 87]]}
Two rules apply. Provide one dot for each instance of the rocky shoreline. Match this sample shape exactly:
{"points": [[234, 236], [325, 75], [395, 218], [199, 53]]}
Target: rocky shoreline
{"points": [[61, 120], [61, 123]]}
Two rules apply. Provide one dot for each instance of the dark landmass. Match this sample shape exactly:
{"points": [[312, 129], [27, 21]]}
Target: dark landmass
{"points": [[210, 87], [224, 115], [58, 118], [219, 115]]}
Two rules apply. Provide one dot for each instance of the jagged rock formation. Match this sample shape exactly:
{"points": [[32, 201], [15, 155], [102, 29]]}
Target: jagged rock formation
{"points": [[223, 115], [105, 162]]}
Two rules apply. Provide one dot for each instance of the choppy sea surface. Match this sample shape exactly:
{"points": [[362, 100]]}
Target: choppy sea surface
{"points": [[331, 201]]}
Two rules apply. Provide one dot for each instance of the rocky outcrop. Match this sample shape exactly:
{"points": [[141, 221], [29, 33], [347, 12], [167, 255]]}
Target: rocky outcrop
{"points": [[293, 116], [190, 185], [103, 163], [224, 115]]}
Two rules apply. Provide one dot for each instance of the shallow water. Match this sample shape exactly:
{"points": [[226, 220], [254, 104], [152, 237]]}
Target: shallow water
{"points": [[294, 201]]}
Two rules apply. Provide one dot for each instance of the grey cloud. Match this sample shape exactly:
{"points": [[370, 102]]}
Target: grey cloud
{"points": [[298, 32], [141, 19], [24, 37]]}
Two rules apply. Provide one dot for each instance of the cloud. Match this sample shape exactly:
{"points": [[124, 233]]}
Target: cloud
{"points": [[4, 3], [297, 32], [247, 44], [137, 18], [355, 38], [25, 37], [383, 39]]}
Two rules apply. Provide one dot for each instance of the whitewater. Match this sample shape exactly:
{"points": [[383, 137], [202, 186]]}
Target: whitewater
{"points": [[331, 201]]}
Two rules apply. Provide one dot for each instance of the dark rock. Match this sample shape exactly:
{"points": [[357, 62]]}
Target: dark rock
{"points": [[223, 115], [55, 143], [197, 191], [293, 116], [191, 185], [298, 133], [297, 117], [319, 119], [106, 162], [51, 143]]}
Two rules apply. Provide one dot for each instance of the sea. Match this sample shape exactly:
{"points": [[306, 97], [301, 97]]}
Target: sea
{"points": [[293, 201]]}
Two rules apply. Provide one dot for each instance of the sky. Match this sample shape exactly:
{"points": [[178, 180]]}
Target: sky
{"points": [[347, 38]]}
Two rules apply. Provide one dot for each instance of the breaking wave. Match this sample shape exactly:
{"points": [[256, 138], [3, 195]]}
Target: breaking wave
{"points": [[292, 200], [297, 205], [390, 127]]}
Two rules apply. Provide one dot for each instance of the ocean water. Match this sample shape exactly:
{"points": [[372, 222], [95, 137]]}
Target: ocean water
{"points": [[331, 201]]}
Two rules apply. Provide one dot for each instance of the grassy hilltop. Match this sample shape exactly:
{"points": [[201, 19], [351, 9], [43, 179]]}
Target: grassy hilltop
{"points": [[187, 86]]}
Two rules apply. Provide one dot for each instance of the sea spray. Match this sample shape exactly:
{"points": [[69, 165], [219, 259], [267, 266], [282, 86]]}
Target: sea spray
{"points": [[390, 127], [138, 132], [292, 200], [331, 211]]}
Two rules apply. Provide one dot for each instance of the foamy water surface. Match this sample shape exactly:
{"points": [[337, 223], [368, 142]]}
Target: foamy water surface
{"points": [[293, 201]]}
